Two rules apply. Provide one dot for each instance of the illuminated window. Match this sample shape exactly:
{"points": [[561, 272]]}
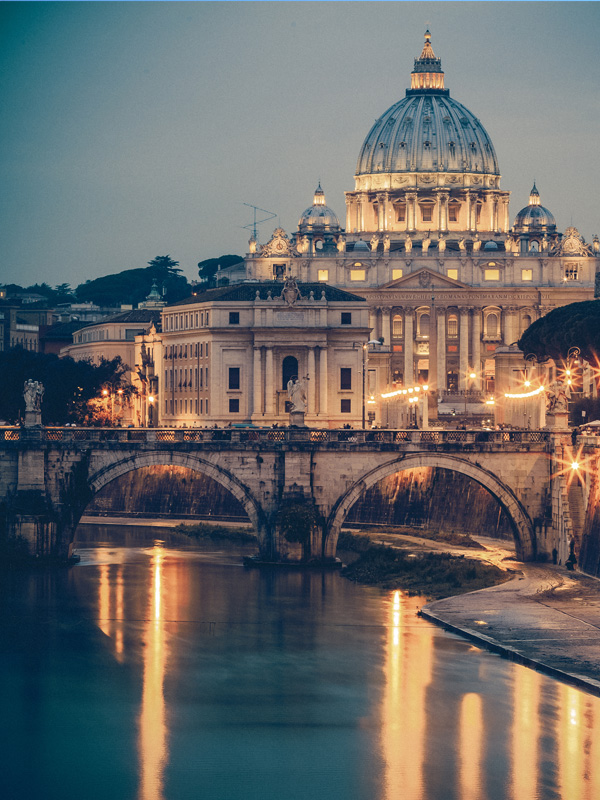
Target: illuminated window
{"points": [[453, 273], [323, 274], [453, 326], [358, 274], [397, 325], [396, 273], [526, 274], [492, 274]]}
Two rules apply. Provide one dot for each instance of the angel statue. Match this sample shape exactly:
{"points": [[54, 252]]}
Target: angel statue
{"points": [[33, 391], [296, 394]]}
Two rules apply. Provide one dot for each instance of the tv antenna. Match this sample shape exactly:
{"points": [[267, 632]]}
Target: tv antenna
{"points": [[256, 222]]}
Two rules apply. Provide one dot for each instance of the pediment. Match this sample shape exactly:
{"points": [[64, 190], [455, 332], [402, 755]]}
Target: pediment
{"points": [[424, 279]]}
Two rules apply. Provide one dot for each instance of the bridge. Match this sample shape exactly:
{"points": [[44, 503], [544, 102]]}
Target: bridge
{"points": [[49, 475]]}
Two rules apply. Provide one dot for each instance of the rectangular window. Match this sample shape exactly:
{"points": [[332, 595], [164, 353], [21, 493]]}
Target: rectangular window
{"points": [[427, 213], [401, 209], [234, 405], [346, 406], [345, 378], [323, 274], [234, 377], [196, 319], [453, 273], [397, 273], [453, 212], [201, 349], [202, 405], [207, 322], [492, 274], [196, 404], [346, 318], [234, 317], [526, 274], [358, 274]]}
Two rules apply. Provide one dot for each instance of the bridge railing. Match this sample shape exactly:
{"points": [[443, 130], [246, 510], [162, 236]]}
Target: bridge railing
{"points": [[273, 436]]}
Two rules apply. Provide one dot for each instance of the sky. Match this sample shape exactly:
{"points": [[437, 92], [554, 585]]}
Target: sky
{"points": [[131, 130]]}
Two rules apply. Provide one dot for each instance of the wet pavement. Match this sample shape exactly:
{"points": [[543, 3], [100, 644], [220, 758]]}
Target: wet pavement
{"points": [[545, 617]]}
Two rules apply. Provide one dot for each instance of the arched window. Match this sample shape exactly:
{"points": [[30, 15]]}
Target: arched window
{"points": [[397, 325], [424, 325], [534, 247], [492, 324], [453, 326], [526, 322], [289, 370]]}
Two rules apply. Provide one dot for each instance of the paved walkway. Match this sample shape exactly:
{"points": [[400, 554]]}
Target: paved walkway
{"points": [[545, 617]]}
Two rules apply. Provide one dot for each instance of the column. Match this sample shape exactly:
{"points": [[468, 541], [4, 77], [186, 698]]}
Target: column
{"points": [[411, 216], [409, 367], [476, 348], [463, 362], [441, 347], [442, 197], [312, 381], [269, 383], [380, 212], [469, 199], [432, 378], [323, 381], [257, 400], [505, 219], [373, 322], [386, 328]]}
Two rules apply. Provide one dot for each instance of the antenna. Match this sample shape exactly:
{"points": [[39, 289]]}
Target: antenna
{"points": [[256, 222]]}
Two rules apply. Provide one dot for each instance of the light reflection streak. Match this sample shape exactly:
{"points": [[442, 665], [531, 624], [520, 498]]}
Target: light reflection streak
{"points": [[119, 614], [470, 744], [152, 741], [525, 734], [408, 667], [104, 615]]}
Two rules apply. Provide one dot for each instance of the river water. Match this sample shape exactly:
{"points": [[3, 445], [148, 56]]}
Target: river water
{"points": [[156, 671]]}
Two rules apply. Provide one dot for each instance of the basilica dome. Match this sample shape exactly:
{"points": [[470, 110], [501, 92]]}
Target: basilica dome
{"points": [[534, 216], [427, 131], [319, 217]]}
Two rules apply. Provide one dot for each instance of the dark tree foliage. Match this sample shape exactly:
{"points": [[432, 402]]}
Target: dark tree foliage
{"points": [[60, 294], [133, 285], [68, 384], [575, 325], [207, 269]]}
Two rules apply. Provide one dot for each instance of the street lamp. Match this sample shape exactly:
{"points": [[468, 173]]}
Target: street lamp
{"points": [[365, 354], [150, 407]]}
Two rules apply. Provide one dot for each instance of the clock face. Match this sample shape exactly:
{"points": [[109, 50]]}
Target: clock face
{"points": [[279, 246]]}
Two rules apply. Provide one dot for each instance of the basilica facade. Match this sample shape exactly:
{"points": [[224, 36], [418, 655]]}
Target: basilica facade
{"points": [[450, 278]]}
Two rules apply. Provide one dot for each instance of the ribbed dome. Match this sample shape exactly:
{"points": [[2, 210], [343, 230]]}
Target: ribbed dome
{"points": [[534, 216], [319, 217], [427, 131]]}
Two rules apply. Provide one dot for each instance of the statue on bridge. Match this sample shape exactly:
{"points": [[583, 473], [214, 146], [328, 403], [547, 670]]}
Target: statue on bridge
{"points": [[558, 397], [297, 395], [33, 391]]}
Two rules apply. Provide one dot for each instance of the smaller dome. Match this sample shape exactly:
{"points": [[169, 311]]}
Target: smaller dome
{"points": [[534, 216], [361, 246], [319, 217]]}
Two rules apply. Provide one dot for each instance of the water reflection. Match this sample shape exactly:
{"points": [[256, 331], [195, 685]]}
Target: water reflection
{"points": [[407, 670], [452, 722], [152, 721]]}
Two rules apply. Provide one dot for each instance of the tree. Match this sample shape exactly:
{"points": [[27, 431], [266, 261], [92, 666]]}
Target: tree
{"points": [[131, 286], [207, 269], [575, 325], [68, 384]]}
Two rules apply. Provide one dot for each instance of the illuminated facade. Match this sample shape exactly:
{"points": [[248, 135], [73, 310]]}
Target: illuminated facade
{"points": [[429, 245], [229, 353]]}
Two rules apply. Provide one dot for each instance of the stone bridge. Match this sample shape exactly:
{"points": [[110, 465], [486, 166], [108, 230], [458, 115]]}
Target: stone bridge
{"points": [[49, 475]]}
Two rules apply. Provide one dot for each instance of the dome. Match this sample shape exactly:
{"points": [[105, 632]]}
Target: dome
{"points": [[427, 131], [319, 217], [534, 215]]}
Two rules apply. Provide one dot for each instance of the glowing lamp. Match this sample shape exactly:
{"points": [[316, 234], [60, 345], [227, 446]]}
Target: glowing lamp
{"points": [[425, 387], [575, 465], [151, 399]]}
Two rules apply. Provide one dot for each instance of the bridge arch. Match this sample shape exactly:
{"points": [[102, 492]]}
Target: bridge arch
{"points": [[521, 523], [107, 473]]}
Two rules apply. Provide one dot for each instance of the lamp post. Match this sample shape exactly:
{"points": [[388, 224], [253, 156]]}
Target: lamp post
{"points": [[106, 394], [150, 407], [365, 355]]}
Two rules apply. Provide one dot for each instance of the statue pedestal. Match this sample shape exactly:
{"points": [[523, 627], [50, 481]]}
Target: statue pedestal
{"points": [[297, 419], [557, 420], [33, 419]]}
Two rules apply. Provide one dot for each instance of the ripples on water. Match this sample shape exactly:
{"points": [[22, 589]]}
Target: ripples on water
{"points": [[158, 672]]}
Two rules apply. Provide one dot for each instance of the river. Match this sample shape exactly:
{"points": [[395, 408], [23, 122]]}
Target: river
{"points": [[154, 670]]}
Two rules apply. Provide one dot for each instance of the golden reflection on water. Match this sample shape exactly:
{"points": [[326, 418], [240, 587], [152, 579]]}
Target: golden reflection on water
{"points": [[470, 747], [408, 664], [152, 742], [525, 733]]}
